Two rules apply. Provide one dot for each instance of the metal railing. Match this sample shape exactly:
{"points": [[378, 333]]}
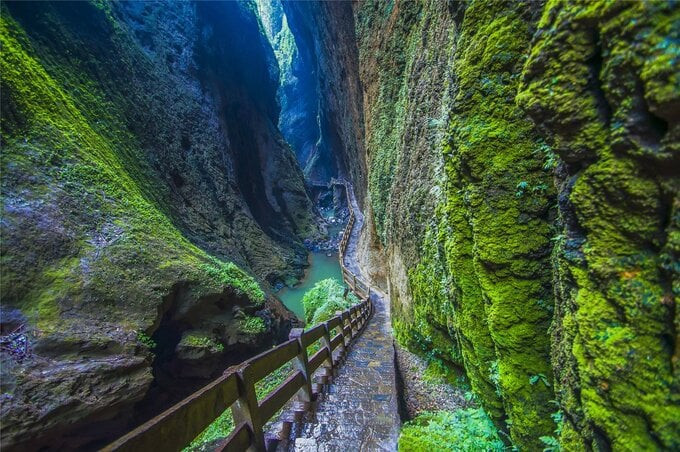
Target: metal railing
{"points": [[179, 425]]}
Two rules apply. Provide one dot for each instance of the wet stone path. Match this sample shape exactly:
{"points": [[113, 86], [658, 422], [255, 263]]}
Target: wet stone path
{"points": [[359, 412]]}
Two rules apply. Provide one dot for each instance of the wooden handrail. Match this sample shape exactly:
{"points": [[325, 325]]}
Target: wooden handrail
{"points": [[184, 421], [179, 425], [267, 362], [354, 281]]}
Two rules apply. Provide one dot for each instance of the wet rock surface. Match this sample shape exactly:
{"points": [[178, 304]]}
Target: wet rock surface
{"points": [[150, 183], [420, 394], [329, 201], [525, 216]]}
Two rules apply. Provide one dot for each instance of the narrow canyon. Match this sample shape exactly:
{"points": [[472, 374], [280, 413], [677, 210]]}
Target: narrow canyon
{"points": [[175, 182]]}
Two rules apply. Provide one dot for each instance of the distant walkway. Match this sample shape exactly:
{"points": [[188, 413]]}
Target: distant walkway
{"points": [[351, 258], [359, 413]]}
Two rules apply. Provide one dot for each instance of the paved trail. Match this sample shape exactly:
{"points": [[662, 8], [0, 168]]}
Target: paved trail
{"points": [[360, 411]]}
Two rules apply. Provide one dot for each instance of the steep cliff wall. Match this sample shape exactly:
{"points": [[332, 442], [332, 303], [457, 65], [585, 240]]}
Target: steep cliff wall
{"points": [[299, 95], [142, 175], [601, 81], [324, 33], [522, 197], [452, 163]]}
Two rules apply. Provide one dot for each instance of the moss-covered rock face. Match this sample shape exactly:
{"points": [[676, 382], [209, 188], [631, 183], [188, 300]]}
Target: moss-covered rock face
{"points": [[142, 176], [500, 203], [523, 196], [602, 81], [456, 164]]}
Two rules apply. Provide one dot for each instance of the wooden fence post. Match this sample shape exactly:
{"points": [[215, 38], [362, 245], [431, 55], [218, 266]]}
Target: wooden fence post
{"points": [[343, 350], [246, 409], [354, 329], [302, 364], [346, 325], [326, 341]]}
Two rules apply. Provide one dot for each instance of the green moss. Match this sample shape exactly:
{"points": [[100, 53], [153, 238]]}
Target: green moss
{"points": [[492, 154], [462, 430], [66, 145], [42, 305], [429, 326], [586, 106], [390, 110], [479, 276], [595, 94], [496, 243], [230, 275], [199, 340], [480, 294], [145, 340], [438, 371], [220, 428]]}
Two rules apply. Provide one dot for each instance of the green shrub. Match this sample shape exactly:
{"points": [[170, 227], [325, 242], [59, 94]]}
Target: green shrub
{"points": [[229, 274], [324, 299], [462, 430]]}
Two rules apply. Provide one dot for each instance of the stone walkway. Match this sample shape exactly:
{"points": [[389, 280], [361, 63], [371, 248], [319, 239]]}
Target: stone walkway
{"points": [[351, 261], [359, 412]]}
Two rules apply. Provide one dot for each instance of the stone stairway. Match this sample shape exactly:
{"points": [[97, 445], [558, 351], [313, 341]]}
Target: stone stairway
{"points": [[356, 409], [359, 411]]}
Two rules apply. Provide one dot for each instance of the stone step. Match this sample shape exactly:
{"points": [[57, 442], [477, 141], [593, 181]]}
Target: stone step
{"points": [[356, 404]]}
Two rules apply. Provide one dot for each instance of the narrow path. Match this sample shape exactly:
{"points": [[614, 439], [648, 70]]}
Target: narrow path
{"points": [[360, 411], [351, 258]]}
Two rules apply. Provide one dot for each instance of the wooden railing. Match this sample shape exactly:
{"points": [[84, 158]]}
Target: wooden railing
{"points": [[354, 281], [175, 428]]}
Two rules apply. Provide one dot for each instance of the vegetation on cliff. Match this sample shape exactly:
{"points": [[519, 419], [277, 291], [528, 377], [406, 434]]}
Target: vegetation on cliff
{"points": [[601, 80], [523, 186], [131, 232]]}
